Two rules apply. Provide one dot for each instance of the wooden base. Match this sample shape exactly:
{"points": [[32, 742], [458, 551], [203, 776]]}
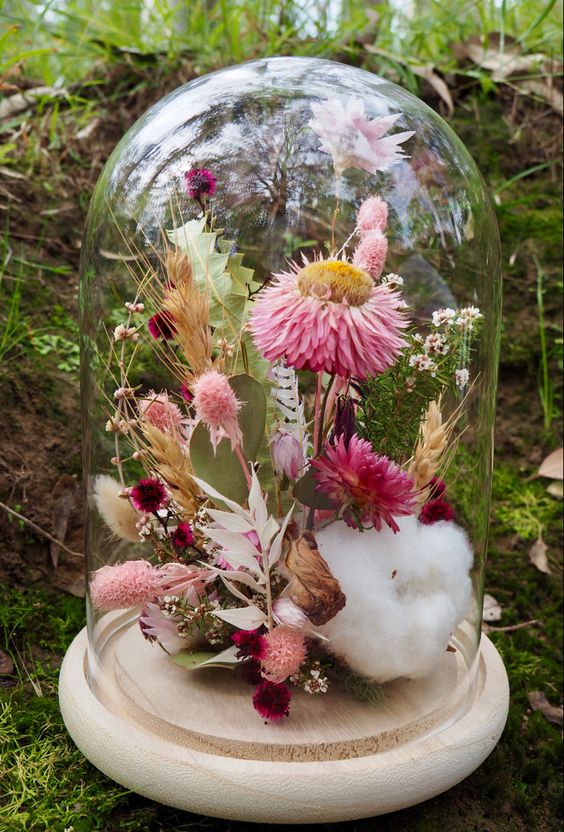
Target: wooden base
{"points": [[193, 740]]}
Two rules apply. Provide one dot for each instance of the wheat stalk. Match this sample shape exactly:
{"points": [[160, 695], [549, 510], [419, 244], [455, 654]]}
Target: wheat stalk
{"points": [[428, 457], [173, 465]]}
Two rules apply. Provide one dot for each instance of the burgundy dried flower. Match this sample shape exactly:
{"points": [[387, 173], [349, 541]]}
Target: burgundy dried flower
{"points": [[272, 700], [161, 325], [436, 510], [182, 536], [250, 643], [186, 393], [200, 182], [345, 417], [148, 495], [437, 488], [251, 672]]}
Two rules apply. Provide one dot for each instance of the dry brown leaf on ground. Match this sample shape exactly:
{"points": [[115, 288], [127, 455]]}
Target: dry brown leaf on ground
{"points": [[538, 556], [539, 702], [492, 609], [6, 664], [65, 499], [552, 466]]}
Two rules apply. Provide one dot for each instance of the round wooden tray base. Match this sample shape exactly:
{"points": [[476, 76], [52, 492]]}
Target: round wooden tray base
{"points": [[358, 766]]}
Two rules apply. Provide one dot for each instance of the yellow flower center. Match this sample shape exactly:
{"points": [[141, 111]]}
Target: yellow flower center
{"points": [[335, 280]]}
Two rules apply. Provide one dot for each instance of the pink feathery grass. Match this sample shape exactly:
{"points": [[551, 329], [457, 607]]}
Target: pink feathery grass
{"points": [[285, 653], [371, 253], [372, 215], [217, 407], [313, 332], [159, 411], [368, 488], [123, 585]]}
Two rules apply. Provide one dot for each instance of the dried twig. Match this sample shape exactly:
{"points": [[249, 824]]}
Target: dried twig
{"points": [[510, 628], [41, 532]]}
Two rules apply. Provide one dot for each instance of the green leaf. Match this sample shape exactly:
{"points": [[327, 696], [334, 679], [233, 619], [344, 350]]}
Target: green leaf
{"points": [[223, 470], [304, 491], [206, 658]]}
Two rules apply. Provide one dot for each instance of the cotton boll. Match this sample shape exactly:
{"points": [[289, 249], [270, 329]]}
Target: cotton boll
{"points": [[406, 593]]}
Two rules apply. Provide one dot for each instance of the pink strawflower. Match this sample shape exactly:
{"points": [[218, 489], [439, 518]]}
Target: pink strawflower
{"points": [[217, 407], [370, 254], [368, 488], [161, 325], [182, 536], [355, 141], [159, 411], [329, 315], [285, 653], [148, 495], [251, 644], [272, 700], [372, 215], [287, 453], [200, 182], [123, 585], [436, 510], [181, 579]]}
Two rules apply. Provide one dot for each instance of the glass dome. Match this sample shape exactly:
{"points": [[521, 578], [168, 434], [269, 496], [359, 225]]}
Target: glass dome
{"points": [[290, 301]]}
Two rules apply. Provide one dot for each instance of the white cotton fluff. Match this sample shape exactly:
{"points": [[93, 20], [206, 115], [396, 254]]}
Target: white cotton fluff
{"points": [[394, 627]]}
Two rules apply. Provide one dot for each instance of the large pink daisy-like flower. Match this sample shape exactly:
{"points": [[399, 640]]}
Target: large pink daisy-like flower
{"points": [[370, 488], [355, 141], [329, 315]]}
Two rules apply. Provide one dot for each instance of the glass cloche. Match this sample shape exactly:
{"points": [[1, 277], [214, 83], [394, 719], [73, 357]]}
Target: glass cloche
{"points": [[290, 302]]}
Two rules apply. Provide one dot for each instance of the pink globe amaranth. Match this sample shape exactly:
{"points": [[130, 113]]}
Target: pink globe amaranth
{"points": [[217, 407], [123, 585], [159, 411], [371, 253], [285, 653], [367, 488], [372, 215]]}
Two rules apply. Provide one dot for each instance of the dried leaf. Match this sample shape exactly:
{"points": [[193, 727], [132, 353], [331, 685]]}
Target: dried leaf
{"points": [[428, 73], [539, 702], [206, 658], [492, 609], [6, 664], [552, 466], [556, 489], [312, 587], [65, 499], [537, 556]]}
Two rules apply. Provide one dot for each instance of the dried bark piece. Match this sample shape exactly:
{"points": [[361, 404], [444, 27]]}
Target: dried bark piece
{"points": [[539, 702], [312, 586]]}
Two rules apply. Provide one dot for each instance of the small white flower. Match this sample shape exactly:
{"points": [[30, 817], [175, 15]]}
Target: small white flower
{"points": [[122, 332], [393, 279], [423, 363], [461, 377], [436, 344], [467, 316], [124, 393], [444, 317], [410, 384]]}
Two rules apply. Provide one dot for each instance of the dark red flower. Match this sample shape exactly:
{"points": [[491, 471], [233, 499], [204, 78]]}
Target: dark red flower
{"points": [[272, 700], [186, 393], [250, 672], [250, 643], [182, 536], [436, 510], [148, 495], [437, 488], [200, 182], [161, 325]]}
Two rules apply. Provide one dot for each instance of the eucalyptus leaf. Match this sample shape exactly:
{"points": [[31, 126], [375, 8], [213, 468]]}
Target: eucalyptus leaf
{"points": [[222, 470], [252, 416], [304, 491], [206, 658]]}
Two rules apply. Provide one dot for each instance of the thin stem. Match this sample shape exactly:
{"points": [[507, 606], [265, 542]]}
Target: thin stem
{"points": [[317, 409], [322, 416], [334, 221], [266, 570], [244, 466]]}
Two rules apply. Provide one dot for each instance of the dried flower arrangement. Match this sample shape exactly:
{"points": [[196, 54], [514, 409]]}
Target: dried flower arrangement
{"points": [[302, 545]]}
